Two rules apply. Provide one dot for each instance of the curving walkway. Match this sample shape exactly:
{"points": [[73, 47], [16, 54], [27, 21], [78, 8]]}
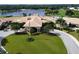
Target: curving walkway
{"points": [[3, 35], [70, 42]]}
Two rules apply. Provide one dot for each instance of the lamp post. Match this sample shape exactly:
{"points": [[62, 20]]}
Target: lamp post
{"points": [[29, 30], [29, 33]]}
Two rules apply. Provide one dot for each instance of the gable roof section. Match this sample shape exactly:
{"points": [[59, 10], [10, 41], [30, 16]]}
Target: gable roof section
{"points": [[34, 22]]}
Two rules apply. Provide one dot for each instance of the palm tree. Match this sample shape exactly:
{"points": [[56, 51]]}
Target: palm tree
{"points": [[29, 32], [61, 22]]}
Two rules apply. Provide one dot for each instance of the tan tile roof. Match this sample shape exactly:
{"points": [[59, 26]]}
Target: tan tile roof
{"points": [[72, 20], [35, 21], [9, 19], [48, 18]]}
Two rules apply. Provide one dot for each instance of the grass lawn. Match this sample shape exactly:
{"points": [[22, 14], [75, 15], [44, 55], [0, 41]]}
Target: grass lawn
{"points": [[42, 44], [75, 34]]}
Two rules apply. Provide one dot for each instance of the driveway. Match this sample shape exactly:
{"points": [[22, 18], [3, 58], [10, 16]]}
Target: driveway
{"points": [[70, 42], [3, 35]]}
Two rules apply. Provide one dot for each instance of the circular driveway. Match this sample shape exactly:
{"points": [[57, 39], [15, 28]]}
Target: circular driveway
{"points": [[70, 42], [3, 34]]}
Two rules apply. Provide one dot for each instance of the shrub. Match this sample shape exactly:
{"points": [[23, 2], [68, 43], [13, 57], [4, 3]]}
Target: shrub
{"points": [[4, 25], [30, 39], [15, 25], [33, 30], [47, 26], [24, 14]]}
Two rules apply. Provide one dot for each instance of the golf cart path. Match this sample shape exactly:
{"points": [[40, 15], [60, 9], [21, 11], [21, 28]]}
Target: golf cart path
{"points": [[70, 42], [3, 35]]}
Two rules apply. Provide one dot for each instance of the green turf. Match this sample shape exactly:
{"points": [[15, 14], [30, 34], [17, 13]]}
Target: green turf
{"points": [[43, 44], [75, 34]]}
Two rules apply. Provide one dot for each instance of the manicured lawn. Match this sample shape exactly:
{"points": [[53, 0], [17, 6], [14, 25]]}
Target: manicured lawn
{"points": [[75, 34], [42, 44]]}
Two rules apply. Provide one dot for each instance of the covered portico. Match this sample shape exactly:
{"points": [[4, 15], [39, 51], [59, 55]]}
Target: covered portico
{"points": [[33, 21]]}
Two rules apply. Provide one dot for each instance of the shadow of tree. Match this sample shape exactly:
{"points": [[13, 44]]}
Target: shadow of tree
{"points": [[4, 42], [30, 39], [53, 34], [20, 33]]}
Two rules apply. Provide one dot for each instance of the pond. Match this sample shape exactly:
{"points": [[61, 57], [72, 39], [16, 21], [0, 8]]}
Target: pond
{"points": [[20, 12]]}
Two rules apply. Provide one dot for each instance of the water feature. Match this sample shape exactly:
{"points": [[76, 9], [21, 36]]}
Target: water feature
{"points": [[20, 12]]}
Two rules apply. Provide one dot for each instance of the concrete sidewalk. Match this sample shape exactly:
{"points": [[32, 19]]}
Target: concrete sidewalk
{"points": [[70, 42]]}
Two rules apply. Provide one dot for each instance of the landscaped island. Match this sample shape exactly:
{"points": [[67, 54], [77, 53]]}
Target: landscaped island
{"points": [[42, 44]]}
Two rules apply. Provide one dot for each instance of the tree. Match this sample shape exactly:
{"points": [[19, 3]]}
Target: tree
{"points": [[24, 14], [15, 25], [33, 30], [68, 29], [30, 38], [69, 12], [61, 22], [62, 13], [48, 12], [48, 26], [76, 7], [72, 25], [4, 25], [29, 14], [76, 13], [55, 12]]}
